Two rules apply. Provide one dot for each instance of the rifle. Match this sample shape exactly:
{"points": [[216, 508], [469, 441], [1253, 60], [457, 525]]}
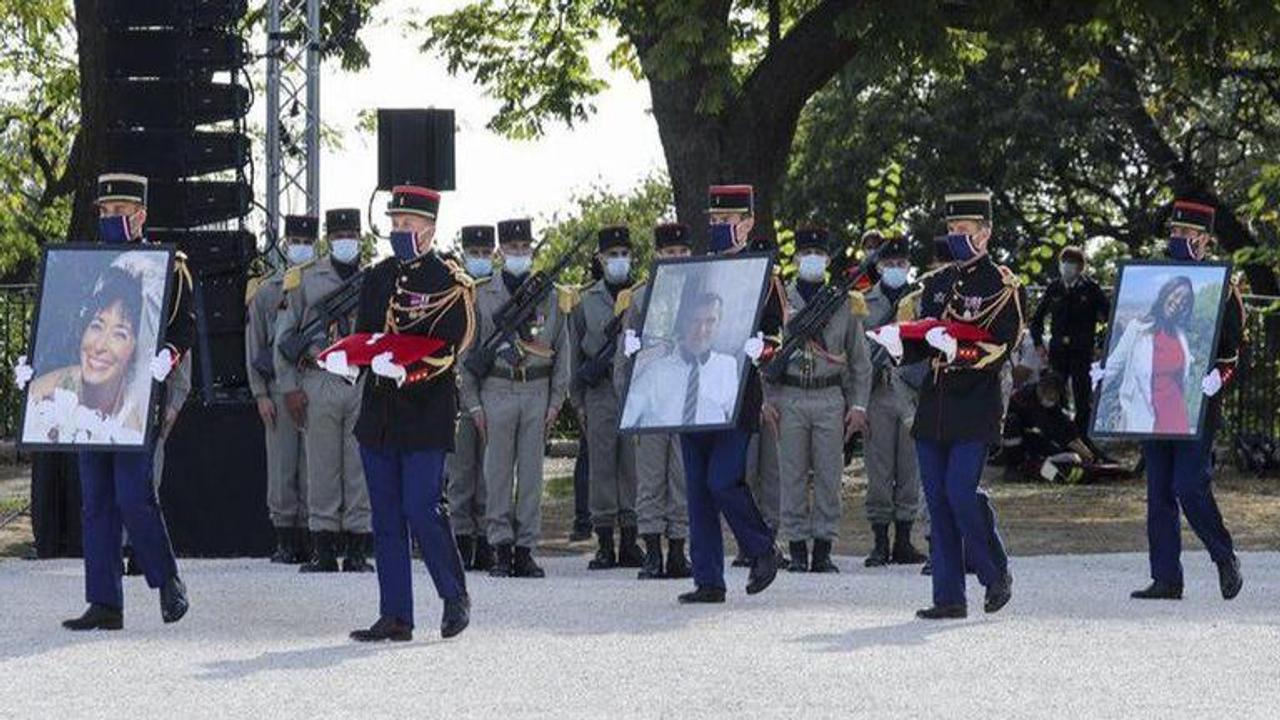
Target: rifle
{"points": [[597, 366], [809, 322], [334, 307], [514, 314], [264, 365]]}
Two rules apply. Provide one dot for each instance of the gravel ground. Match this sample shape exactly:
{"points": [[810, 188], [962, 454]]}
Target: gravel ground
{"points": [[262, 641]]}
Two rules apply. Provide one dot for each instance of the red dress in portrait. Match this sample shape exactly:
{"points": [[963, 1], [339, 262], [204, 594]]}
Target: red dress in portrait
{"points": [[1168, 371]]}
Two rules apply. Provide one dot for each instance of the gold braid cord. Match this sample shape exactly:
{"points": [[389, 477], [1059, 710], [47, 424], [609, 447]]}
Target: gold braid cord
{"points": [[433, 308], [991, 352], [183, 274]]}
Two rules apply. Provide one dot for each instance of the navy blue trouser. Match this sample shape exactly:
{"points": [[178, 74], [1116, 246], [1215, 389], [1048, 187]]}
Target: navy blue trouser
{"points": [[116, 492], [1179, 475], [961, 520], [406, 493], [715, 465]]}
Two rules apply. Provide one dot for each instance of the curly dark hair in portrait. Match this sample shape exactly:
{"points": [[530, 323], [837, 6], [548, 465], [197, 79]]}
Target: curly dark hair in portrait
{"points": [[1183, 317], [114, 286]]}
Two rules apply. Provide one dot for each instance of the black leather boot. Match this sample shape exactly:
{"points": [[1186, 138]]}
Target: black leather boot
{"points": [[652, 568], [943, 612], [799, 557], [467, 550], [387, 628], [483, 560], [359, 547], [302, 546], [1229, 579], [502, 564], [629, 555], [324, 559], [97, 617], [1158, 591], [284, 546], [173, 600], [763, 572], [606, 556], [702, 595], [677, 561], [523, 566], [880, 554], [457, 616], [821, 562], [904, 553]]}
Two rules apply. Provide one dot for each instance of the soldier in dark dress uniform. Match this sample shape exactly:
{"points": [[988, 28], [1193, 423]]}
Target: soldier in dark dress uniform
{"points": [[406, 424]]}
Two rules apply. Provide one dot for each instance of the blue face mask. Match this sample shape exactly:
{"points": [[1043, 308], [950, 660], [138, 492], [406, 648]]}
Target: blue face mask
{"points": [[894, 277], [404, 243], [813, 268], [479, 267], [114, 229], [1180, 248], [721, 238], [300, 253], [617, 269], [346, 250], [961, 247], [518, 265]]}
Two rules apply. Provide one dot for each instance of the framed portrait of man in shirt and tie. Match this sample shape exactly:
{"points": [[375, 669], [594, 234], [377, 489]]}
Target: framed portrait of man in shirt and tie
{"points": [[1161, 343], [690, 372]]}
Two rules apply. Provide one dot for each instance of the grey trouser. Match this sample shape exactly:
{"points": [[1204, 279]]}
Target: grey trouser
{"points": [[762, 474], [610, 461], [337, 497], [893, 479], [465, 469], [811, 445], [516, 418], [286, 470], [661, 500]]}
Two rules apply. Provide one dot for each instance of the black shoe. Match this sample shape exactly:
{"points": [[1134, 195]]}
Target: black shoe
{"points": [[387, 628], [821, 562], [927, 569], [904, 553], [457, 616], [763, 572], [652, 568], [799, 557], [606, 556], [359, 546], [483, 560], [97, 617], [943, 612], [677, 561], [741, 560], [629, 555], [502, 565], [999, 594], [880, 555], [523, 566], [702, 595], [580, 533], [325, 559], [301, 546], [173, 600], [1158, 591], [1229, 580], [284, 546], [466, 551]]}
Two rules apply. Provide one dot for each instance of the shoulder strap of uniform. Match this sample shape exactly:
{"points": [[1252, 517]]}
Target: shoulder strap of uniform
{"points": [[858, 304], [252, 287], [293, 276], [568, 297]]}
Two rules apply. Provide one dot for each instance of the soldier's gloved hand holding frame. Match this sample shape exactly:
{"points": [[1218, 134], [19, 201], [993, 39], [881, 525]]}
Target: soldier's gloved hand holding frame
{"points": [[383, 367], [22, 373], [162, 364]]}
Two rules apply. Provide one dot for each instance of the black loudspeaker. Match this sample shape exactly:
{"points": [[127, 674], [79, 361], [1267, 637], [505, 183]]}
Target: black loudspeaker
{"points": [[223, 307], [210, 252], [215, 486], [416, 147], [172, 13], [171, 53], [192, 204], [175, 153], [172, 104]]}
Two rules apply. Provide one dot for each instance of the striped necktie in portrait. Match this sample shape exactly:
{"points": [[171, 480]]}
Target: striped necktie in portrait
{"points": [[691, 396]]}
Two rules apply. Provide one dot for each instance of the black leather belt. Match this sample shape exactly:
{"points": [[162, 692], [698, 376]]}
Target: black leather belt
{"points": [[520, 374], [811, 383]]}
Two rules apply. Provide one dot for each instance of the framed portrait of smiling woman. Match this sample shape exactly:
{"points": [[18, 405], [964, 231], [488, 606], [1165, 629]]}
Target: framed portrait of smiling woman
{"points": [[99, 321], [1161, 343]]}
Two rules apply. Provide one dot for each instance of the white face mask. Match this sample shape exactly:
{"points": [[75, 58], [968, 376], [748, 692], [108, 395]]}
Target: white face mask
{"points": [[813, 268], [517, 264], [1069, 271], [617, 269], [894, 277], [299, 253], [346, 250]]}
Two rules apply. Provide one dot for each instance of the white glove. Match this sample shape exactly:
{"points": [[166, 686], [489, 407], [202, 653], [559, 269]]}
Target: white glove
{"points": [[162, 364], [383, 367], [630, 343], [754, 346], [890, 338], [22, 373], [1211, 383], [336, 363], [940, 339], [1096, 373]]}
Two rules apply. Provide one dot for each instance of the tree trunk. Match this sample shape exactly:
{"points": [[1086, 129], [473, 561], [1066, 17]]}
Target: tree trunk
{"points": [[91, 46]]}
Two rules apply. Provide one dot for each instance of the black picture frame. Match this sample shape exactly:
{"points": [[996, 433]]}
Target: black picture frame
{"points": [[152, 421], [1111, 339], [761, 300]]}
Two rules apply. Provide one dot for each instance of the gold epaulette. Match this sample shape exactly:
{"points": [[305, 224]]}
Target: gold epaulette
{"points": [[459, 273], [251, 288], [858, 304], [909, 306], [293, 276], [567, 297], [483, 280], [623, 301]]}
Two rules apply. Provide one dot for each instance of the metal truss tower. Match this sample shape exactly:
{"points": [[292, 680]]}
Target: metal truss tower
{"points": [[293, 112]]}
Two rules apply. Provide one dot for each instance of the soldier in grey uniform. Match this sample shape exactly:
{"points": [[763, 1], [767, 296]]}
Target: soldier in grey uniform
{"points": [[611, 459], [326, 406], [286, 461], [661, 498], [893, 480], [820, 400], [464, 467], [516, 405]]}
